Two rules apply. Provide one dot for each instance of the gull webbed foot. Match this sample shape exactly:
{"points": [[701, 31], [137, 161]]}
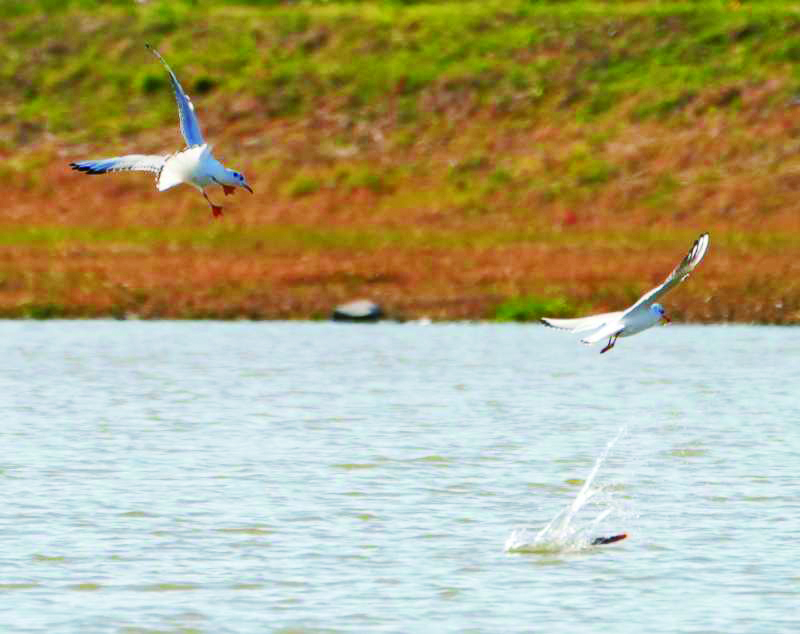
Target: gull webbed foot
{"points": [[216, 210]]}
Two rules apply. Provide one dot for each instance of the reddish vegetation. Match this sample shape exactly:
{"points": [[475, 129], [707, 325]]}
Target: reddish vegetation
{"points": [[432, 240]]}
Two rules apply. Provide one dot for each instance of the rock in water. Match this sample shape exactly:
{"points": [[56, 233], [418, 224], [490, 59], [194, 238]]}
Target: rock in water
{"points": [[358, 310]]}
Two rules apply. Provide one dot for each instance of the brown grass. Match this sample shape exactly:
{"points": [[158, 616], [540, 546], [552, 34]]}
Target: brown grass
{"points": [[447, 217]]}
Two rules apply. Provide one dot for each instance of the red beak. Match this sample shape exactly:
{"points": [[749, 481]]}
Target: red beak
{"points": [[247, 187]]}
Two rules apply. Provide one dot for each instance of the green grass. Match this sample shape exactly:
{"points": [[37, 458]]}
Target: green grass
{"points": [[283, 237], [533, 308], [81, 74]]}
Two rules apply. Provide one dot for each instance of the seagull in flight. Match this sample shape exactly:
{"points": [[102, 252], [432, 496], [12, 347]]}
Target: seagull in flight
{"points": [[646, 312], [194, 165]]}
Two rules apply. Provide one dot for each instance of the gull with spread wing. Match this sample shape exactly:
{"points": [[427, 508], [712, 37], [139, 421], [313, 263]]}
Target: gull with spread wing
{"points": [[195, 165], [642, 315]]}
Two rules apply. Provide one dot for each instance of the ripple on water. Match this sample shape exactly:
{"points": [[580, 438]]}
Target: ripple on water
{"points": [[85, 587], [449, 593], [247, 530], [546, 486], [167, 586], [49, 559], [305, 630], [687, 453], [433, 459], [6, 587]]}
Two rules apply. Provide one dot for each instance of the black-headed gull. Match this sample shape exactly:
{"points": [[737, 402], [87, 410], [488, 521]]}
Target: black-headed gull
{"points": [[194, 165], [642, 315]]}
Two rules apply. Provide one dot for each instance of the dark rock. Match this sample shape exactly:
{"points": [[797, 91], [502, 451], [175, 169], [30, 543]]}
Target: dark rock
{"points": [[359, 310]]}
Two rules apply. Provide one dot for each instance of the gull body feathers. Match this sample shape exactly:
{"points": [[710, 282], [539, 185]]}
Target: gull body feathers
{"points": [[643, 314], [195, 165]]}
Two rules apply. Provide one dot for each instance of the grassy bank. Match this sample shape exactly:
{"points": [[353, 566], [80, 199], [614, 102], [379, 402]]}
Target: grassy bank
{"points": [[452, 159]]}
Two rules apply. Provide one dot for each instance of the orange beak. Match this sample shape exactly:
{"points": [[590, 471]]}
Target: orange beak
{"points": [[665, 320], [247, 187]]}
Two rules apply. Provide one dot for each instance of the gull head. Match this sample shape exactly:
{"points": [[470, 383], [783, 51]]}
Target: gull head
{"points": [[659, 313], [235, 179]]}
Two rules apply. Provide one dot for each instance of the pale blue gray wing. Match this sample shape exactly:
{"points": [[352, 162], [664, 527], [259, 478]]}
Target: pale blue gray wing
{"points": [[131, 162], [582, 324], [190, 126], [679, 273]]}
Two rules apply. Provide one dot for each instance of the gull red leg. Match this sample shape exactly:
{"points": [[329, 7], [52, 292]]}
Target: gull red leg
{"points": [[216, 210], [611, 342]]}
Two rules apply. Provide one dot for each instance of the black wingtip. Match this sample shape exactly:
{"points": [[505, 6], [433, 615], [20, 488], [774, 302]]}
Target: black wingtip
{"points": [[86, 169]]}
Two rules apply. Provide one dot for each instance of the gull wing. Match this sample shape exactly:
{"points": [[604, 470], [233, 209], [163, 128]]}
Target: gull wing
{"points": [[582, 324], [131, 162], [680, 273], [190, 126], [609, 329]]}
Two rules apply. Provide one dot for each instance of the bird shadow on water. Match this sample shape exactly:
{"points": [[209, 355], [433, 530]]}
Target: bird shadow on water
{"points": [[565, 533]]}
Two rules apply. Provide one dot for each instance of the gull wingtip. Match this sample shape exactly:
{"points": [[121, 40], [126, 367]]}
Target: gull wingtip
{"points": [[152, 49], [704, 241]]}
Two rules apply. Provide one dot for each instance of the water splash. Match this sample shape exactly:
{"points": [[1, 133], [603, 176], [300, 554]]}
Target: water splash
{"points": [[561, 534]]}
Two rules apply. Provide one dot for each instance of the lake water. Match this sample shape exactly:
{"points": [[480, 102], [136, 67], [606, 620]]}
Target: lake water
{"points": [[318, 477]]}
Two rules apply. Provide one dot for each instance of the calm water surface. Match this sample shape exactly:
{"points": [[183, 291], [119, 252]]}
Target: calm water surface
{"points": [[304, 477]]}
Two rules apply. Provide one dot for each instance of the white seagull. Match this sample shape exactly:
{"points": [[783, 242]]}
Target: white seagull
{"points": [[194, 165], [642, 315]]}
